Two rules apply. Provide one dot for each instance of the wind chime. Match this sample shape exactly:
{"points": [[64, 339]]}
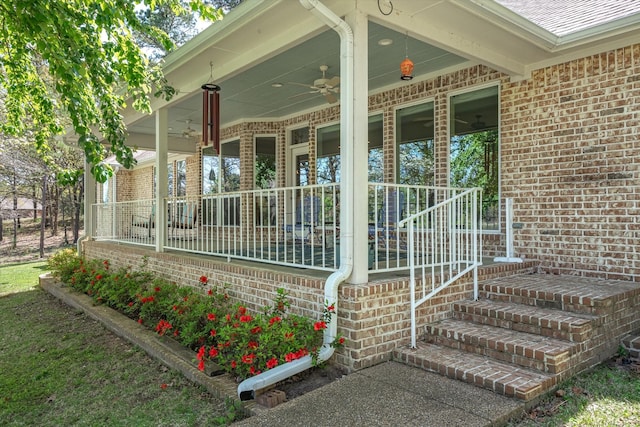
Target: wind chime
{"points": [[211, 114]]}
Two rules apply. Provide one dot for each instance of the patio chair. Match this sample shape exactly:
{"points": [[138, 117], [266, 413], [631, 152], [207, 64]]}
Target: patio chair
{"points": [[186, 218], [146, 222], [386, 231], [307, 219]]}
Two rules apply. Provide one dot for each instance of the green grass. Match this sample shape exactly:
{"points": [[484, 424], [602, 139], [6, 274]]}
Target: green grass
{"points": [[609, 395], [60, 367], [20, 277]]}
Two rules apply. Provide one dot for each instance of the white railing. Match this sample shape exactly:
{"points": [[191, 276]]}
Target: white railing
{"points": [[293, 226], [132, 222], [444, 242]]}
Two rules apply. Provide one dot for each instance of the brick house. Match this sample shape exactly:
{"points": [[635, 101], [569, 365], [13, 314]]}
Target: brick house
{"points": [[510, 111]]}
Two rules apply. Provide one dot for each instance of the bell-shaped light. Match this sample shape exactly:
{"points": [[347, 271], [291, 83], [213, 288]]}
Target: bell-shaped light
{"points": [[406, 69]]}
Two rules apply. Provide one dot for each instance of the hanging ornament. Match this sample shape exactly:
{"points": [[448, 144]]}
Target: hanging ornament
{"points": [[211, 114], [406, 66]]}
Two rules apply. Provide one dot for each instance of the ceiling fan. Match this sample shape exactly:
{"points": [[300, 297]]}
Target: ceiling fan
{"points": [[327, 87], [188, 132]]}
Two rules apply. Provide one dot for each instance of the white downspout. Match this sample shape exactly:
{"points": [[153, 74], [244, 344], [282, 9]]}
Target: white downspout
{"points": [[247, 388]]}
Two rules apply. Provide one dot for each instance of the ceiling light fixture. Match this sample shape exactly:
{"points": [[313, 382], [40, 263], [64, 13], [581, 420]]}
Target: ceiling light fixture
{"points": [[276, 84], [385, 42]]}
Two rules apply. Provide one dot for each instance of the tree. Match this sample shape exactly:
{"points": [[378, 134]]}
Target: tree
{"points": [[88, 49]]}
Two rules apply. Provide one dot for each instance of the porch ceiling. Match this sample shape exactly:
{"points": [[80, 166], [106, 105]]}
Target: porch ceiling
{"points": [[250, 51]]}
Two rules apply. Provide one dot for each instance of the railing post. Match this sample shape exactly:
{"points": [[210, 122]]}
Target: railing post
{"points": [[412, 284], [508, 213]]}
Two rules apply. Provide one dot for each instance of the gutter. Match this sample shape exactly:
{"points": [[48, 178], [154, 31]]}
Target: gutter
{"points": [[247, 389]]}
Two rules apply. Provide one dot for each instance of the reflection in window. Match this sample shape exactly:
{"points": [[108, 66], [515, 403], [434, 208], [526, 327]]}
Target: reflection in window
{"points": [[300, 136], [328, 154], [230, 166], [181, 171], [210, 171], [414, 140], [474, 156], [376, 153], [265, 162], [170, 178]]}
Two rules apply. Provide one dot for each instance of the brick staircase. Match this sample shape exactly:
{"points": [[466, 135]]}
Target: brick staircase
{"points": [[526, 333], [632, 344]]}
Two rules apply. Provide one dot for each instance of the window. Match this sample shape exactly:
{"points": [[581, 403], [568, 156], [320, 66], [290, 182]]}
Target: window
{"points": [[170, 178], [474, 154], [414, 143], [376, 152], [221, 173], [328, 154], [300, 136], [265, 162]]}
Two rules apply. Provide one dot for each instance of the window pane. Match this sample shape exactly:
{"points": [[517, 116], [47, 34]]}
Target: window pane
{"points": [[210, 171], [376, 153], [181, 170], [474, 156], [328, 154], [230, 166], [265, 163], [300, 136], [414, 139], [170, 178]]}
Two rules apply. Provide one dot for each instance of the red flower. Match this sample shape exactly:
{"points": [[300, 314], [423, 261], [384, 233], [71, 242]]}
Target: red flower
{"points": [[318, 326], [233, 364], [242, 310], [341, 340], [140, 321], [254, 371], [290, 357], [288, 335], [98, 276], [228, 318], [201, 365], [175, 307], [213, 332], [275, 319], [176, 333], [213, 352], [210, 292], [163, 386], [157, 289], [272, 363], [331, 308], [246, 319], [185, 299], [248, 358], [201, 352], [211, 316], [131, 304], [203, 280], [252, 345], [256, 330]]}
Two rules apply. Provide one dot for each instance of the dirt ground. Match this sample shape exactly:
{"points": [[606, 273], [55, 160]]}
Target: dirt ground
{"points": [[28, 242]]}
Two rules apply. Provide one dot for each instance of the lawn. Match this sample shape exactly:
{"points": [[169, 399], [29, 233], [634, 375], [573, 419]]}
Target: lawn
{"points": [[60, 367]]}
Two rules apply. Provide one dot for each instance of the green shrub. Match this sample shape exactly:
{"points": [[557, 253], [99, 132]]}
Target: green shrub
{"points": [[201, 318]]}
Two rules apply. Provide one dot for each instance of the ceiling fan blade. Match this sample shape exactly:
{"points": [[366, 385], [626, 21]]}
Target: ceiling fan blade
{"points": [[302, 84], [303, 94], [331, 98], [333, 81]]}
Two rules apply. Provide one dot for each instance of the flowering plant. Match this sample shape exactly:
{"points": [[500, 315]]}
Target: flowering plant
{"points": [[241, 342]]}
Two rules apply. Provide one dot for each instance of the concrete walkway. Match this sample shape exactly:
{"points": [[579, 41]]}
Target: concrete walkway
{"points": [[389, 394]]}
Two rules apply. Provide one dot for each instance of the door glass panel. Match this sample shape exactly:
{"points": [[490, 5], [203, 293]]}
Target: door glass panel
{"points": [[376, 153], [328, 154], [265, 162]]}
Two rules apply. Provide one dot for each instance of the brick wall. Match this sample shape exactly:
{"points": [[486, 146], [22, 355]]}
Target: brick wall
{"points": [[571, 159]]}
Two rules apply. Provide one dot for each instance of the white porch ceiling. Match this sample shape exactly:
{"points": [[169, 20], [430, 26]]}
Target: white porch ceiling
{"points": [[277, 41]]}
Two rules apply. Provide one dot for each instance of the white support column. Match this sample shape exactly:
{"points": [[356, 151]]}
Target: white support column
{"points": [[358, 22], [90, 195], [162, 178]]}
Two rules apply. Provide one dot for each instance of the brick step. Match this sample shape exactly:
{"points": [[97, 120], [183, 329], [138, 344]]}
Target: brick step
{"points": [[632, 343], [578, 295], [503, 378], [525, 318], [520, 348]]}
